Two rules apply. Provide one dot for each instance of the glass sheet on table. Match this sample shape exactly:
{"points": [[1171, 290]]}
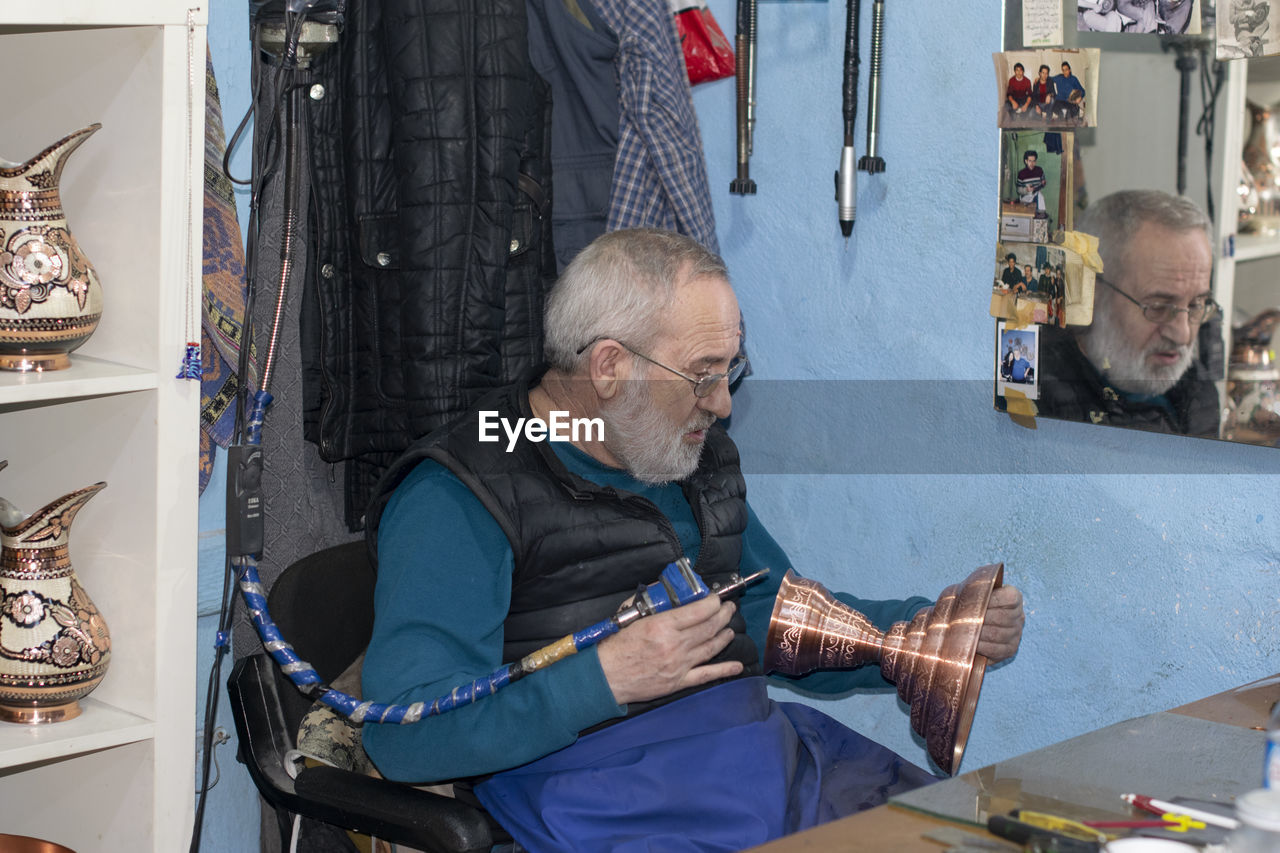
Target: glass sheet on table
{"points": [[1161, 755]]}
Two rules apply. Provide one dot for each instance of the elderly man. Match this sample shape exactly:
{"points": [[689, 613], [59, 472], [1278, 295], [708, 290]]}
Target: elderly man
{"points": [[661, 737], [1139, 363]]}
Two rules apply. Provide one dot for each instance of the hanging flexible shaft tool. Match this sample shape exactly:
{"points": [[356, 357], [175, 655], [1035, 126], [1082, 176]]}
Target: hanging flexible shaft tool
{"points": [[846, 176], [676, 586], [871, 162], [745, 71]]}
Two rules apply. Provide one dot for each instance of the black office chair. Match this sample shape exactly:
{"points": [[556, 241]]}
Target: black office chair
{"points": [[323, 605]]}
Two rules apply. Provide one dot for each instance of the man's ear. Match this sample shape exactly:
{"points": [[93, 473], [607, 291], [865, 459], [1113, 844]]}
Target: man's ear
{"points": [[608, 367]]}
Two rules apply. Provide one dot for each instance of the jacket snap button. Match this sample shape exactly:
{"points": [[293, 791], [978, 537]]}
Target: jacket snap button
{"points": [[383, 259], [317, 92], [515, 246]]}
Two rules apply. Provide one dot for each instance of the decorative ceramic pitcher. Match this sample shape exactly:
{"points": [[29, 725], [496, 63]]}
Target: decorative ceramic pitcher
{"points": [[54, 644], [50, 298]]}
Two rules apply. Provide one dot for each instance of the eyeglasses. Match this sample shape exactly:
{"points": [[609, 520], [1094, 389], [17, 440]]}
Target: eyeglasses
{"points": [[1198, 312], [703, 386]]}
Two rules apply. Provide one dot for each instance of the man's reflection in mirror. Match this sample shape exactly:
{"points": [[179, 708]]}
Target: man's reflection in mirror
{"points": [[1148, 360]]}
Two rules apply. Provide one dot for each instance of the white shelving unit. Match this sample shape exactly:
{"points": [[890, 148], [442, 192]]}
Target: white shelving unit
{"points": [[121, 775], [1248, 264]]}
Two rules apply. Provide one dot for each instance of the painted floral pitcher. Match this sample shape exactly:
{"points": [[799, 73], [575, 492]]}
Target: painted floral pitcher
{"points": [[50, 297], [54, 644]]}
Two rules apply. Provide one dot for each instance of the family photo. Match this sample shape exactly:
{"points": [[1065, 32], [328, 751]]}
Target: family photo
{"points": [[1019, 360], [1030, 284], [1054, 88]]}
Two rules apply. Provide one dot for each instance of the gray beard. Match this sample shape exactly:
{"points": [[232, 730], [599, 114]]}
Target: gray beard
{"points": [[644, 440], [1124, 365]]}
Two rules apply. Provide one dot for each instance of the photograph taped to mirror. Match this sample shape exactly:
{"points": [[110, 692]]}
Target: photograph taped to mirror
{"points": [[1030, 284], [1164, 17], [1248, 28], [1037, 190], [1018, 360], [1050, 87], [1047, 284]]}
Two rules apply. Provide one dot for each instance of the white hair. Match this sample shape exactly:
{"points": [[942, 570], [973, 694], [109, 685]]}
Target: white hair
{"points": [[1117, 217], [619, 287]]}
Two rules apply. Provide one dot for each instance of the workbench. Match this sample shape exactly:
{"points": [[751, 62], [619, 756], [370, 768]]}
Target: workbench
{"points": [[1210, 749]]}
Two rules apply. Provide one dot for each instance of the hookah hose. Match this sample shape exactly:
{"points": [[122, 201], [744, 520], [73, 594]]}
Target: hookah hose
{"points": [[847, 175], [677, 585]]}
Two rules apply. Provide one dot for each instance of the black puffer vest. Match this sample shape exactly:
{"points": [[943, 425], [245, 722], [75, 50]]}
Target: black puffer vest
{"points": [[580, 549]]}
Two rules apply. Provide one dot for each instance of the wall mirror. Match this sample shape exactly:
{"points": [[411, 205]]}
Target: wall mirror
{"points": [[1170, 117]]}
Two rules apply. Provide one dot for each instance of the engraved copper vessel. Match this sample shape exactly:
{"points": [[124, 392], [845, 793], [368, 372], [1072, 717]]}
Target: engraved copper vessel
{"points": [[932, 659], [54, 644], [27, 844], [50, 297]]}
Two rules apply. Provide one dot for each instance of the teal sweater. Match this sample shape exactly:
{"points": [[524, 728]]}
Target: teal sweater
{"points": [[443, 590]]}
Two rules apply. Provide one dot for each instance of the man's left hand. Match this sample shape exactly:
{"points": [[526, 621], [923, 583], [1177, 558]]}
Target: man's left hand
{"points": [[1002, 629]]}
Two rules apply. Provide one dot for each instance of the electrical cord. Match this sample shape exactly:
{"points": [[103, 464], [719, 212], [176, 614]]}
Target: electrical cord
{"points": [[221, 644], [1212, 76], [265, 156]]}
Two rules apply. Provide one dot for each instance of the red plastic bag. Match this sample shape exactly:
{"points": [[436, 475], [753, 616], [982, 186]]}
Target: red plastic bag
{"points": [[708, 55]]}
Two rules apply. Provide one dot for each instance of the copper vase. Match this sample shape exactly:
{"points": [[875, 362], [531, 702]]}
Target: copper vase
{"points": [[932, 659], [50, 297], [1261, 158], [54, 644]]}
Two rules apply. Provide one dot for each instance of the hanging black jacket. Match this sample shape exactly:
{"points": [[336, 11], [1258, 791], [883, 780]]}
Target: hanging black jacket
{"points": [[432, 249]]}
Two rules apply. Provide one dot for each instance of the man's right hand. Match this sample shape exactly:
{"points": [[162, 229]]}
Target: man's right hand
{"points": [[664, 653]]}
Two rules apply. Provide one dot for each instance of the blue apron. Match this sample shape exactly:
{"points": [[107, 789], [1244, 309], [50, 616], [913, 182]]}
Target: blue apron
{"points": [[723, 769]]}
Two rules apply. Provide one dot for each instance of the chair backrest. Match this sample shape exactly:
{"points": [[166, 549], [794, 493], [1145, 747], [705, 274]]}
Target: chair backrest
{"points": [[323, 606]]}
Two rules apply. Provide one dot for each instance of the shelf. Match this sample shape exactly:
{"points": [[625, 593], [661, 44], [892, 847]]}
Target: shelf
{"points": [[99, 726], [117, 414], [88, 13], [86, 377], [1253, 247]]}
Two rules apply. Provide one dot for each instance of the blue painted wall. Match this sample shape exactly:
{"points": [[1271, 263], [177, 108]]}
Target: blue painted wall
{"points": [[1151, 564]]}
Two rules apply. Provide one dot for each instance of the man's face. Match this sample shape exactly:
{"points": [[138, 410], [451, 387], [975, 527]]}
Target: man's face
{"points": [[1162, 265], [655, 426], [1066, 70], [1028, 271], [1017, 71], [1030, 160], [1044, 74], [1010, 262]]}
